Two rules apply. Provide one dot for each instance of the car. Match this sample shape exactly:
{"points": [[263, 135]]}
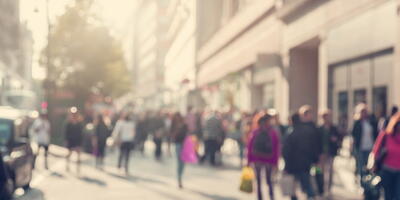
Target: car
{"points": [[15, 149]]}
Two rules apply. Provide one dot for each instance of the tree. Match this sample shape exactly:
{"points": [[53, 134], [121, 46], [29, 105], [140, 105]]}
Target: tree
{"points": [[84, 56]]}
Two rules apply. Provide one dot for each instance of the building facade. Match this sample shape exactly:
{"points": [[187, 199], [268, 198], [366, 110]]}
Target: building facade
{"points": [[180, 60], [15, 48], [149, 53], [283, 54], [255, 54]]}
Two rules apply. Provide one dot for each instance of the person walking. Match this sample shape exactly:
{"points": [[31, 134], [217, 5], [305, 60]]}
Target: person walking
{"points": [[141, 133], [74, 137], [178, 132], [41, 132], [123, 135], [213, 136], [387, 151], [364, 134], [331, 141], [302, 150], [102, 132], [158, 135], [263, 153]]}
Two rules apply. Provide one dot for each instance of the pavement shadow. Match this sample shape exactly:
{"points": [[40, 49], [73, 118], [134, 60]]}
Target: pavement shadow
{"points": [[32, 194], [135, 179], [93, 181], [56, 174], [213, 196]]}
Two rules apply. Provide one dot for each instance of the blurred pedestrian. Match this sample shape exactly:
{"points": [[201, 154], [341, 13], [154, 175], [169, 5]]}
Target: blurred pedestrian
{"points": [[331, 142], [123, 135], [178, 132], [364, 134], [41, 132], [74, 136], [385, 121], [191, 120], [263, 153], [158, 134], [302, 150], [102, 132], [387, 151], [213, 137], [141, 133]]}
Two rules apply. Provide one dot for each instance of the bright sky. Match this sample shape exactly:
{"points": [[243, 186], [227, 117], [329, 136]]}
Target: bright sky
{"points": [[117, 14]]}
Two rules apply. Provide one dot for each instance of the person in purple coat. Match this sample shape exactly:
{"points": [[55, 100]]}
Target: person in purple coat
{"points": [[263, 152]]}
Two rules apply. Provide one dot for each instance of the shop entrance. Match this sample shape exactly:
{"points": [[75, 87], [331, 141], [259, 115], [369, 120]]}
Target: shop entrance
{"points": [[367, 80], [303, 76]]}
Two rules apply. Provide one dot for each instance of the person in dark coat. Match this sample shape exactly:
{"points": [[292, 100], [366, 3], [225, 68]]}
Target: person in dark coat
{"points": [[213, 138], [74, 136], [141, 133], [365, 132], [102, 132], [302, 150], [158, 134], [331, 141]]}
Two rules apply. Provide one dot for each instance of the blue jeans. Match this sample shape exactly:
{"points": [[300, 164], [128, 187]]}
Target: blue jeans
{"points": [[391, 184], [181, 164], [305, 182]]}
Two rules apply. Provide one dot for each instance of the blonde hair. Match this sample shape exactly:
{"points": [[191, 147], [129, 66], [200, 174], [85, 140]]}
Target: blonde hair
{"points": [[359, 109], [304, 109]]}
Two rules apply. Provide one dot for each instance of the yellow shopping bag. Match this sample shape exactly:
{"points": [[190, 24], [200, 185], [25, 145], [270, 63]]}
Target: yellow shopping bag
{"points": [[246, 183]]}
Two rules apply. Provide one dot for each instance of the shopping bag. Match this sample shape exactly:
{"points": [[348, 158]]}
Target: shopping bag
{"points": [[246, 182], [188, 154], [288, 184], [318, 180], [371, 183]]}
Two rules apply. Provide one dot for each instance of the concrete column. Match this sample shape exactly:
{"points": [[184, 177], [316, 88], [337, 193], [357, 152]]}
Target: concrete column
{"points": [[284, 91], [396, 69], [323, 70]]}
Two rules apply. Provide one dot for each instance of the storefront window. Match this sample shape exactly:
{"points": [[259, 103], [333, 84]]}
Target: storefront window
{"points": [[360, 96], [380, 101], [343, 104]]}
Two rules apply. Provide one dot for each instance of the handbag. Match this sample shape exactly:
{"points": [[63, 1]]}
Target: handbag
{"points": [[288, 184], [371, 183], [188, 153], [246, 180], [377, 160]]}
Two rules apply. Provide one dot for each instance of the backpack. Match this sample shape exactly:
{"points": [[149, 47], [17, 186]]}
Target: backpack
{"points": [[262, 144]]}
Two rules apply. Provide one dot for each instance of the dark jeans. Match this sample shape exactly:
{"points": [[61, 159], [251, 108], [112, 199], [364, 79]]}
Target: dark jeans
{"points": [[124, 154], [391, 184], [211, 148], [361, 162], [180, 163], [268, 173], [305, 182], [158, 151]]}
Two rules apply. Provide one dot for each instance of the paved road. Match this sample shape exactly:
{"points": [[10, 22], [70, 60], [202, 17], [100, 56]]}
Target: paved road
{"points": [[152, 180]]}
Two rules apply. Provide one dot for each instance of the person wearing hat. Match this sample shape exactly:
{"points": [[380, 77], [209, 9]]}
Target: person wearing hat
{"points": [[40, 130]]}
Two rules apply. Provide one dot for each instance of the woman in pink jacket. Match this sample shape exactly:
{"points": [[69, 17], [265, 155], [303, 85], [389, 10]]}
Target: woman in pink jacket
{"points": [[263, 152], [390, 171]]}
